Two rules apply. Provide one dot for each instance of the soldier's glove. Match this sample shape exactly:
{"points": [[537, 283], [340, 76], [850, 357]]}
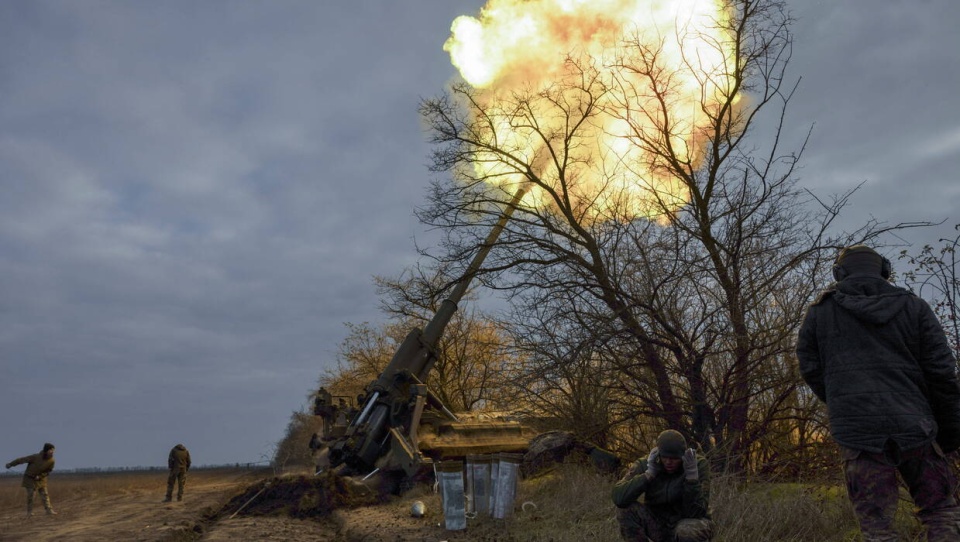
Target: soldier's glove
{"points": [[690, 471], [653, 464], [7, 466]]}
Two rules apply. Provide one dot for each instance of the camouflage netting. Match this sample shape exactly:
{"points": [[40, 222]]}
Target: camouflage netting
{"points": [[299, 496]]}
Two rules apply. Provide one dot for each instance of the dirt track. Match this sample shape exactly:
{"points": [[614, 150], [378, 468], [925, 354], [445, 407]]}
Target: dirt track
{"points": [[136, 513], [133, 513]]}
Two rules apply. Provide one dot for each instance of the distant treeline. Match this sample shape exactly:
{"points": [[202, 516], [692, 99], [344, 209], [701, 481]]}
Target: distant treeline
{"points": [[140, 468]]}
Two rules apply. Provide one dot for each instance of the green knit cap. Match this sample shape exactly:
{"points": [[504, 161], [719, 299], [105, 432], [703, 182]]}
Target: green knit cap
{"points": [[671, 443]]}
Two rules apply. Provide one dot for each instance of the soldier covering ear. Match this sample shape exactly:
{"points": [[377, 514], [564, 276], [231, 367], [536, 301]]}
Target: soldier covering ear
{"points": [[675, 487]]}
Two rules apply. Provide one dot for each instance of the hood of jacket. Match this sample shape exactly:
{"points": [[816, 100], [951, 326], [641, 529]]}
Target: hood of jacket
{"points": [[870, 299]]}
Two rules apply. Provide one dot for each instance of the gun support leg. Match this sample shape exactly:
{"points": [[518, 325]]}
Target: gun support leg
{"points": [[415, 421]]}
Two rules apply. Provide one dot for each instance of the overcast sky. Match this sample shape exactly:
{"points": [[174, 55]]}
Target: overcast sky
{"points": [[194, 196]]}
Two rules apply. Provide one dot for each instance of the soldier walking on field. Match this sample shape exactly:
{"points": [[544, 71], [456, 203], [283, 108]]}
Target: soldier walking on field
{"points": [[674, 484], [39, 466], [877, 356], [179, 463]]}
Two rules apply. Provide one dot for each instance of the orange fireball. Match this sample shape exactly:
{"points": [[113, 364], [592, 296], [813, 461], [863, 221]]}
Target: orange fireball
{"points": [[525, 46]]}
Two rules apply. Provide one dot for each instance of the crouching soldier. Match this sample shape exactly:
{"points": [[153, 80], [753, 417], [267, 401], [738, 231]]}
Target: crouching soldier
{"points": [[39, 466], [674, 484]]}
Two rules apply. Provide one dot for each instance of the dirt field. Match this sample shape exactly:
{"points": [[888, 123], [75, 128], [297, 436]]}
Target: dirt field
{"points": [[569, 503], [127, 506]]}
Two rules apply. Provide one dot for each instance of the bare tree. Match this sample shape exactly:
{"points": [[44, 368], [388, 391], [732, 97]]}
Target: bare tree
{"points": [[935, 278], [468, 374], [361, 356], [293, 449], [560, 374], [691, 296]]}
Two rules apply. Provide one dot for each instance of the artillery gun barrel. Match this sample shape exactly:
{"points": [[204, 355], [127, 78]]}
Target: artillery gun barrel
{"points": [[434, 330], [367, 435]]}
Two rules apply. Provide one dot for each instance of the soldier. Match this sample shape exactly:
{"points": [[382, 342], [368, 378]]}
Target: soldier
{"points": [[179, 463], [877, 356], [39, 466], [675, 486]]}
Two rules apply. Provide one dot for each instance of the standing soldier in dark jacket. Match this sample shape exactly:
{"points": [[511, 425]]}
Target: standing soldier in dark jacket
{"points": [[179, 463], [675, 487], [39, 466], [877, 356]]}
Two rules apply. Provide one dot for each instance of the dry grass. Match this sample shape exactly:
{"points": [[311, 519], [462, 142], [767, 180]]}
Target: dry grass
{"points": [[787, 512], [573, 504], [793, 512], [73, 487], [567, 504], [799, 512]]}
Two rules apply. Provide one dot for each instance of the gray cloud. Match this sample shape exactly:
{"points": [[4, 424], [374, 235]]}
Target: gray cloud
{"points": [[878, 82], [195, 199], [194, 196]]}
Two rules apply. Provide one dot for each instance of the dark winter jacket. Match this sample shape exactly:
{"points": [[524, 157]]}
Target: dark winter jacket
{"points": [[179, 459], [876, 354], [668, 496]]}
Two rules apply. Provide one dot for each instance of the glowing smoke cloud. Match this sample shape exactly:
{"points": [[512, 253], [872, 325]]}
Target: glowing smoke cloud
{"points": [[517, 46]]}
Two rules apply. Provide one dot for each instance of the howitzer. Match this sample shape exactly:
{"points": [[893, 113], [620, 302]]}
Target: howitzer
{"points": [[384, 432]]}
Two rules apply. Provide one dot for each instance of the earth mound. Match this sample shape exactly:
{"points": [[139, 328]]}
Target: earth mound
{"points": [[299, 496]]}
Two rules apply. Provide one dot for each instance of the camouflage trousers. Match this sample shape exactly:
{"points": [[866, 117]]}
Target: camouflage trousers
{"points": [[178, 477], [874, 491], [639, 524], [44, 498]]}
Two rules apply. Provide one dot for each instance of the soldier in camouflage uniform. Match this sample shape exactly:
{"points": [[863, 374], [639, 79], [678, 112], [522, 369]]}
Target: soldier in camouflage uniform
{"points": [[877, 356], [39, 466], [675, 487], [179, 463]]}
